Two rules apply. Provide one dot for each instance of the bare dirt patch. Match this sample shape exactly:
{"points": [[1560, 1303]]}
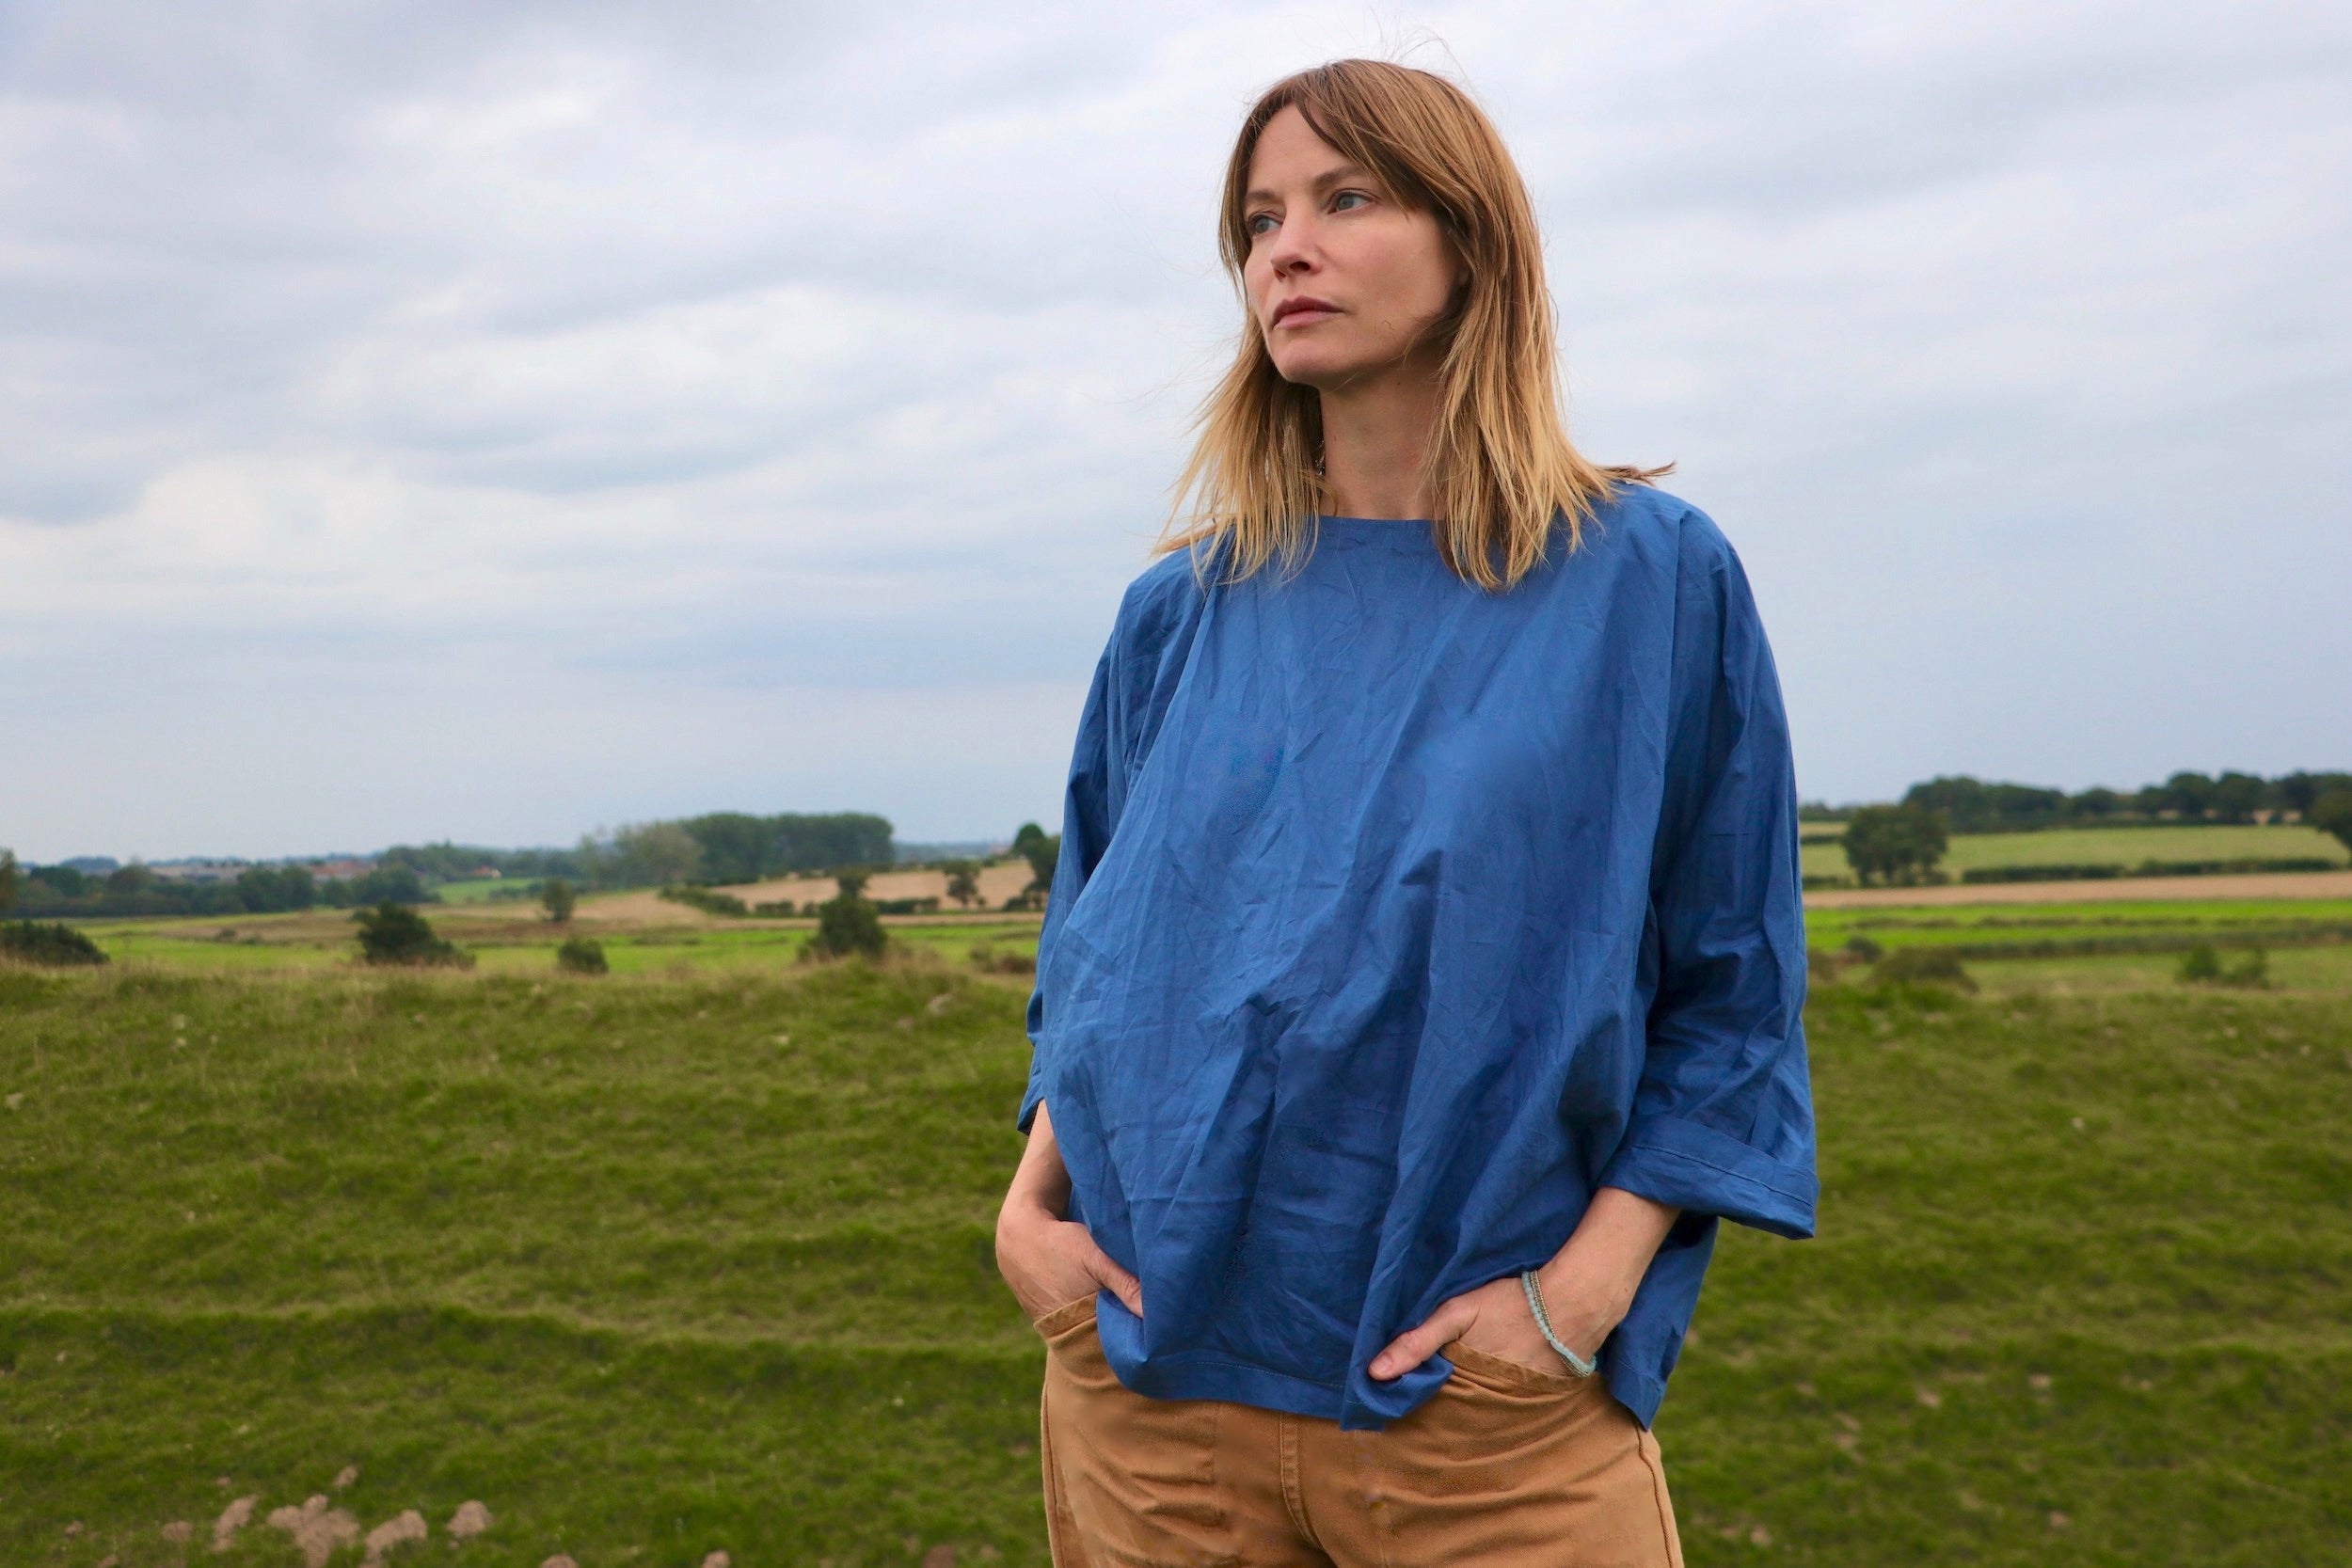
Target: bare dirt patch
{"points": [[318, 1531], [232, 1519]]}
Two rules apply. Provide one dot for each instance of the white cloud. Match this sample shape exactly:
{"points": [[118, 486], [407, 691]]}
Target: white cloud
{"points": [[608, 385]]}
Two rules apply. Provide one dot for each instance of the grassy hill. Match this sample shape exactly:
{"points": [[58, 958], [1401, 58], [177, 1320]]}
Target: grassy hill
{"points": [[678, 1262]]}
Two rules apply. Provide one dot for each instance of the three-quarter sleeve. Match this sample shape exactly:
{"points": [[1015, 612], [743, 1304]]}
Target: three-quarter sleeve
{"points": [[1088, 813], [1723, 1117]]}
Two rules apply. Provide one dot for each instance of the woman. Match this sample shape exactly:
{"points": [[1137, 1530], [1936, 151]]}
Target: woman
{"points": [[1423, 971]]}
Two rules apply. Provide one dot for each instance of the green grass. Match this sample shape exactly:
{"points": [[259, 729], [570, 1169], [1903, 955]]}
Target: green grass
{"points": [[481, 890], [673, 1262], [2110, 847], [2308, 940]]}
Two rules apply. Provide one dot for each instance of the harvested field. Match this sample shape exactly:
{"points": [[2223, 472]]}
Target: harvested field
{"points": [[2293, 884]]}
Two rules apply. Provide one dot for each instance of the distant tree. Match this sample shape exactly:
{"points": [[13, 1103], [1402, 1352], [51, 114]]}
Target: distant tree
{"points": [[132, 879], [396, 934], [658, 854], [1042, 852], [1972, 806], [7, 877], [2236, 797], [963, 881], [2152, 801], [2095, 803], [266, 891], [559, 899], [736, 846], [851, 880], [2332, 814], [2299, 791], [2190, 793], [1895, 843]]}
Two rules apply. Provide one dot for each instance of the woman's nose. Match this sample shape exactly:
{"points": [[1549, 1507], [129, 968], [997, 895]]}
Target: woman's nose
{"points": [[1292, 250]]}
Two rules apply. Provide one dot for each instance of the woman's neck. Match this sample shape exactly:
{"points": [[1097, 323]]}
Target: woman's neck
{"points": [[1375, 441]]}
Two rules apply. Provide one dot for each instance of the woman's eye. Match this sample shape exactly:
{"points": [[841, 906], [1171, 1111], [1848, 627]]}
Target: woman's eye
{"points": [[1340, 202], [1262, 224]]}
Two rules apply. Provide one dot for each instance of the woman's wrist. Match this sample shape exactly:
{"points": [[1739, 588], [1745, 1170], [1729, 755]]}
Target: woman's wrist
{"points": [[1589, 1284]]}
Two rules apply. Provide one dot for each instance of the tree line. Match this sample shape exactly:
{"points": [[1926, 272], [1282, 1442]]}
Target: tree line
{"points": [[63, 891], [1972, 805], [717, 848]]}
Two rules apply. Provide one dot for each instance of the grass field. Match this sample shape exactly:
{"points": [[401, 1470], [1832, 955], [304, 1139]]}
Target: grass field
{"points": [[2108, 847], [697, 1257], [321, 941]]}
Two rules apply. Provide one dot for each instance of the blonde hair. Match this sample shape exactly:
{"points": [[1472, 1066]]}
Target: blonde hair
{"points": [[1501, 468]]}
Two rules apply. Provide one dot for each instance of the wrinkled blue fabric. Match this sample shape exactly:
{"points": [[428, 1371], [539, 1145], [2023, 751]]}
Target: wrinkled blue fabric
{"points": [[1394, 918]]}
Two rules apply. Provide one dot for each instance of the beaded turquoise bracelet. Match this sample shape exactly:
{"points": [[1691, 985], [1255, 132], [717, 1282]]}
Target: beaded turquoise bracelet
{"points": [[1577, 1364]]}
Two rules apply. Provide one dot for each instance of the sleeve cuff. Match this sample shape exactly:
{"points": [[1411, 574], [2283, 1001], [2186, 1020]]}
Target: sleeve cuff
{"points": [[1702, 1171]]}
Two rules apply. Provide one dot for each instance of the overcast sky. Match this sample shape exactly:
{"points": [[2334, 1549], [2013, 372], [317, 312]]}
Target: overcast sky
{"points": [[494, 421]]}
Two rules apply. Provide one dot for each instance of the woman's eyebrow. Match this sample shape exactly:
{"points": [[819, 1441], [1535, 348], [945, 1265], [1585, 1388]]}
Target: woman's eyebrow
{"points": [[1339, 174]]}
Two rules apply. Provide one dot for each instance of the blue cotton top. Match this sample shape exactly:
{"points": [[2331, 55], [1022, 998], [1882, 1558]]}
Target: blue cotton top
{"points": [[1394, 916]]}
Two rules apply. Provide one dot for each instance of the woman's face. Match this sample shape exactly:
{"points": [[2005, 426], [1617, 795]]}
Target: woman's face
{"points": [[1343, 280]]}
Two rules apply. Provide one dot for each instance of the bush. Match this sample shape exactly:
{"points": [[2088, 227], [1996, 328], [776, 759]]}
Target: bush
{"points": [[781, 907], [844, 925], [2201, 966], [705, 900], [1922, 966], [395, 934], [58, 944], [582, 956], [2251, 972], [559, 899], [989, 961], [1863, 949]]}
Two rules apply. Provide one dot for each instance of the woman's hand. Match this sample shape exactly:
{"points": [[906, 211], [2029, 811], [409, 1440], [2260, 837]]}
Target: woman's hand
{"points": [[1588, 1286], [1048, 1260]]}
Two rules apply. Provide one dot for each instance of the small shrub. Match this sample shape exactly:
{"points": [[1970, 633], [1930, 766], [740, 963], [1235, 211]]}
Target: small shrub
{"points": [[705, 900], [1862, 950], [582, 956], [2202, 966], [57, 944], [844, 925], [2252, 972], [780, 907], [395, 934], [989, 961], [1922, 966], [559, 899]]}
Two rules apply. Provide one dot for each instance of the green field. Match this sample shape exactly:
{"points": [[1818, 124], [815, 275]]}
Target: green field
{"points": [[321, 941], [697, 1257], [2105, 847]]}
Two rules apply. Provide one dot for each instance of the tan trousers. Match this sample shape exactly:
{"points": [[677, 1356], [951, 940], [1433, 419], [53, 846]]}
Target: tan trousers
{"points": [[1505, 1467]]}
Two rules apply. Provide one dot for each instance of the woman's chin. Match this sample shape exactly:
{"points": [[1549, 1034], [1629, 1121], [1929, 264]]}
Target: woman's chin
{"points": [[1328, 371]]}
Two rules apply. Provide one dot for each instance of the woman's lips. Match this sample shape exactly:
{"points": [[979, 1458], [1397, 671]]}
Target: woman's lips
{"points": [[1304, 312]]}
